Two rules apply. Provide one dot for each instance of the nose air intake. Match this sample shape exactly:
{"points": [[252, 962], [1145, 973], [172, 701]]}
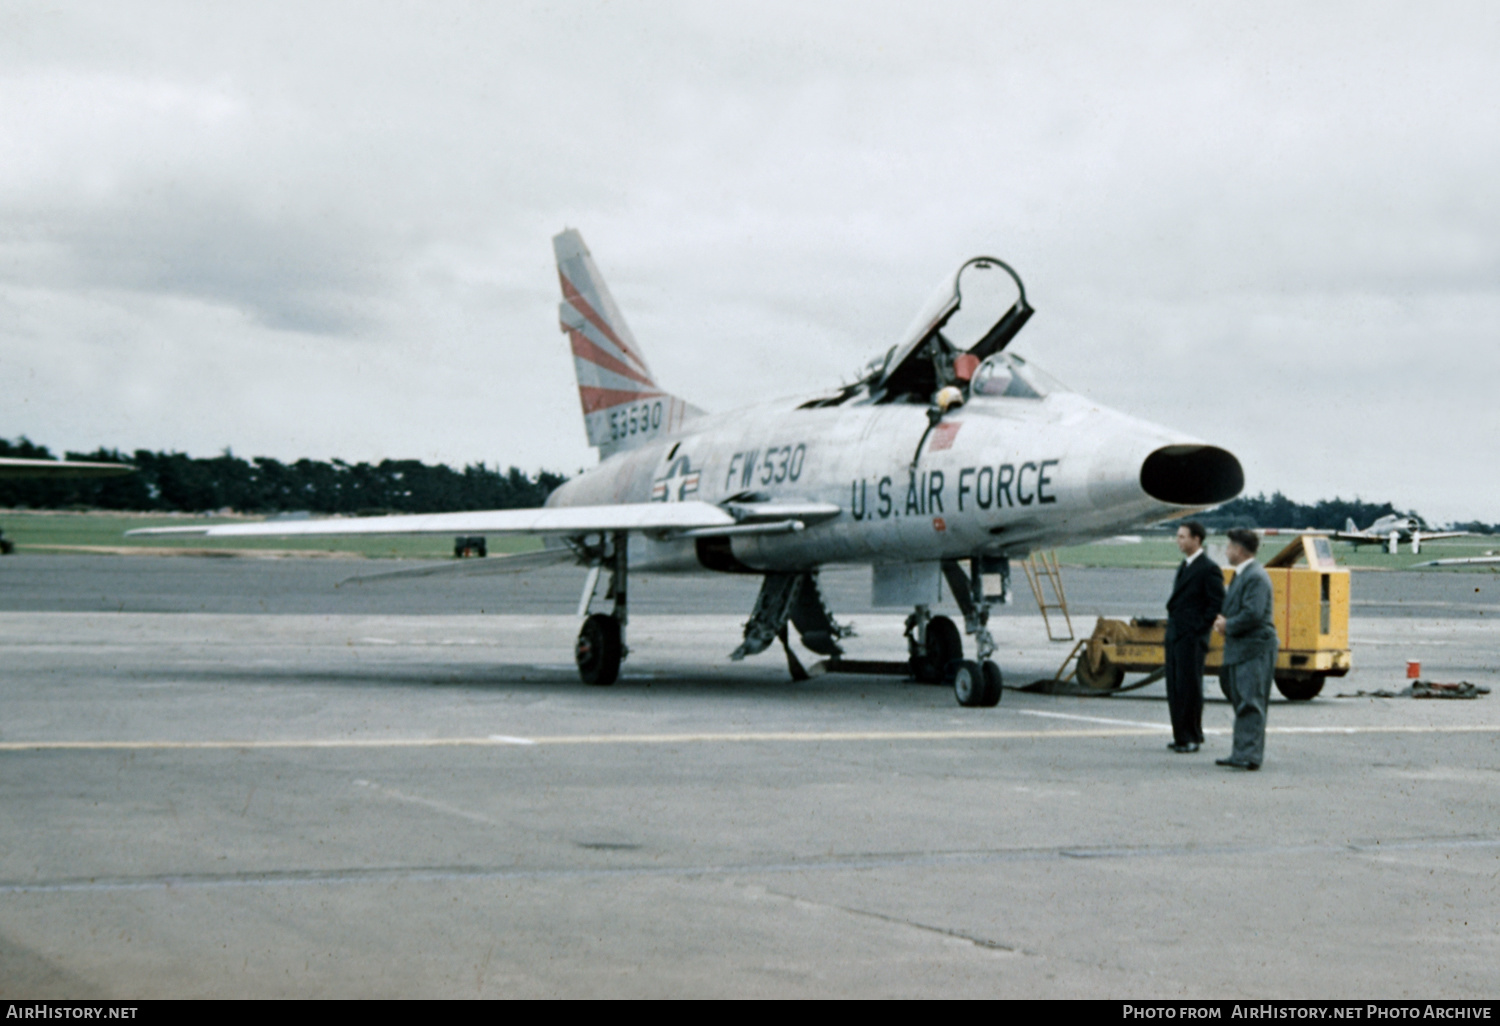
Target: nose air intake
{"points": [[1192, 475]]}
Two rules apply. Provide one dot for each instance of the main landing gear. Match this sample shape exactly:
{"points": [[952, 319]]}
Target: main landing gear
{"points": [[601, 642], [937, 654]]}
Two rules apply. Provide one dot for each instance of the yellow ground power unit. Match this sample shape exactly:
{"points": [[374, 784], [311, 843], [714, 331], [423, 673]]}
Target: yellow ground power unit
{"points": [[1311, 593]]}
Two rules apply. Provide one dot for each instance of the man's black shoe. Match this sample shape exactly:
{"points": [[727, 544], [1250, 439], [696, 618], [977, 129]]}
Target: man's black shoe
{"points": [[1237, 764], [1183, 748]]}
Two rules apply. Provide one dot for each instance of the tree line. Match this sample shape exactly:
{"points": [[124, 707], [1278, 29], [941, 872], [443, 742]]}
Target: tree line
{"points": [[174, 482]]}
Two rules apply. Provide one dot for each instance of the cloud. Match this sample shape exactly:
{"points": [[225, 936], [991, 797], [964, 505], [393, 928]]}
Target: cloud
{"points": [[288, 193]]}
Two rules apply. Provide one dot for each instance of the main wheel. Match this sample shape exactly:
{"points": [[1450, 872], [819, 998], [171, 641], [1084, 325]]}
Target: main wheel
{"points": [[1106, 678], [944, 645], [1300, 689], [967, 681], [597, 651], [994, 684]]}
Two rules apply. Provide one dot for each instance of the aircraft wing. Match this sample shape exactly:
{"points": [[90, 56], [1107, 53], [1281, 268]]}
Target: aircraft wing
{"points": [[14, 467], [682, 519]]}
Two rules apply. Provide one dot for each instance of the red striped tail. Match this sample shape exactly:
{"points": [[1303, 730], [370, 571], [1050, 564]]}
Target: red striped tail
{"points": [[623, 407]]}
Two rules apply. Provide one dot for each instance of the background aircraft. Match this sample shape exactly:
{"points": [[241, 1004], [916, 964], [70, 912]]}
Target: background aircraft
{"points": [[13, 467], [943, 459], [1390, 530]]}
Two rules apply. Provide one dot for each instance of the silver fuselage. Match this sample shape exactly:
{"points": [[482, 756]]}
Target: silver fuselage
{"points": [[999, 476]]}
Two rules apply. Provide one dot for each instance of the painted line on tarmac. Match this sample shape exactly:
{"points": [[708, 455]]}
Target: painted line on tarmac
{"points": [[792, 737], [499, 740], [1096, 719], [849, 863]]}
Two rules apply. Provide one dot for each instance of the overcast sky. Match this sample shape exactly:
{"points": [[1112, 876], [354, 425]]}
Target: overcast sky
{"points": [[321, 229]]}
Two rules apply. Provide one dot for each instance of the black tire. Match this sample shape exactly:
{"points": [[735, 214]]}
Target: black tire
{"points": [[1106, 678], [967, 681], [597, 650], [944, 645], [994, 683], [1299, 689]]}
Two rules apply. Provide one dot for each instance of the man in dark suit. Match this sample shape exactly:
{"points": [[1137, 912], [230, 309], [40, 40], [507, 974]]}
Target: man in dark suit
{"points": [[1197, 595], [1250, 646]]}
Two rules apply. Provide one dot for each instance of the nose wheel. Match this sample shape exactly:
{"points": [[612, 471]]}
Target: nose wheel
{"points": [[975, 685]]}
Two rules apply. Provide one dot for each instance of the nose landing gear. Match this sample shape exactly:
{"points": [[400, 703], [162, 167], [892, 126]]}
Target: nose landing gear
{"points": [[977, 683]]}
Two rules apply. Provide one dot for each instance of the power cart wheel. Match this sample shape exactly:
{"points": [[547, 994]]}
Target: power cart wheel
{"points": [[1299, 689], [1106, 678]]}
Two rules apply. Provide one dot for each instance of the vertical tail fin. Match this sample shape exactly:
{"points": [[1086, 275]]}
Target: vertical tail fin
{"points": [[623, 407]]}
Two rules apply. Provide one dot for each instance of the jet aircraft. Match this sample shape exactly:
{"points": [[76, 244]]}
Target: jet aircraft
{"points": [[945, 458]]}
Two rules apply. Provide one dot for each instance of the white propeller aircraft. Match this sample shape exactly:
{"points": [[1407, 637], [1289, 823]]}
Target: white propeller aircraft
{"points": [[945, 459], [1390, 530], [12, 467]]}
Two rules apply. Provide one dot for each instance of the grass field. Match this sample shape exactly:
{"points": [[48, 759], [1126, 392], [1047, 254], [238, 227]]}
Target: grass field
{"points": [[95, 532]]}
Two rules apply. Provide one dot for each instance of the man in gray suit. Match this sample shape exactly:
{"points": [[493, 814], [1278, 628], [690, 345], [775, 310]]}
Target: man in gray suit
{"points": [[1250, 647]]}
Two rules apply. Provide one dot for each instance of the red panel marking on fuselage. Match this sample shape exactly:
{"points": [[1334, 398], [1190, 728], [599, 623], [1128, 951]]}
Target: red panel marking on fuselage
{"points": [[943, 435]]}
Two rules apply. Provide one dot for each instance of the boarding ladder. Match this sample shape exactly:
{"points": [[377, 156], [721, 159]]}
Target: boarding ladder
{"points": [[1040, 566]]}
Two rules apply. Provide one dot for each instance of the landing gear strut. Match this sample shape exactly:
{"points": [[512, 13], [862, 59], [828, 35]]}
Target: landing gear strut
{"points": [[933, 642], [601, 643], [979, 682], [794, 598]]}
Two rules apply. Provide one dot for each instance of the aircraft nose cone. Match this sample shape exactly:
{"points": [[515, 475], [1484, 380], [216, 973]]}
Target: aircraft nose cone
{"points": [[1192, 475]]}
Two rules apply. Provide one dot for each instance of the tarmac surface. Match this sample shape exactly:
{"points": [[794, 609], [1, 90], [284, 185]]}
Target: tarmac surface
{"points": [[225, 777]]}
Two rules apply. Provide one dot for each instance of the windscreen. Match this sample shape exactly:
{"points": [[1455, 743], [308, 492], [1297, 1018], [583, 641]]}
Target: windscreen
{"points": [[1008, 376]]}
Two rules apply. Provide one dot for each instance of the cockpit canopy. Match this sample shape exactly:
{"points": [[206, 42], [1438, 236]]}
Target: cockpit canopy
{"points": [[949, 345]]}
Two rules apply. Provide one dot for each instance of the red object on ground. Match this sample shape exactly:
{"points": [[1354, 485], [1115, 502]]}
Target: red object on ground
{"points": [[1413, 670]]}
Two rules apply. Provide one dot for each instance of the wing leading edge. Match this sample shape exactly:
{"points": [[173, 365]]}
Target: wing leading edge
{"points": [[690, 519]]}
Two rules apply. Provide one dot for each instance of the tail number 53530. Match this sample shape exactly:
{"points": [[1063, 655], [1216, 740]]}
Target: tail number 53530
{"points": [[636, 419]]}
